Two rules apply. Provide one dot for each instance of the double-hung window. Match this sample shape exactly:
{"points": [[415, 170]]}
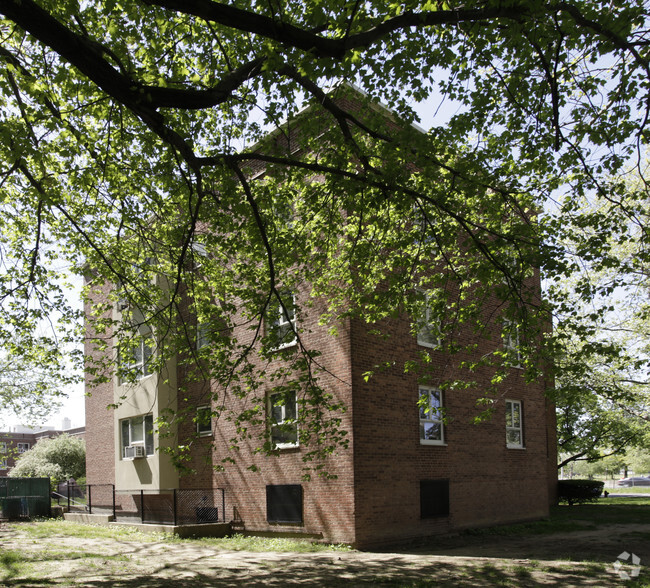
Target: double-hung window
{"points": [[22, 447], [136, 363], [137, 431], [202, 335], [283, 321], [3, 463], [511, 343], [514, 424], [204, 421], [3, 447], [431, 416], [428, 325], [283, 411]]}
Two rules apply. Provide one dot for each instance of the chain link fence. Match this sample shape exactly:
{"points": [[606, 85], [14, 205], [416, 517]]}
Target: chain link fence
{"points": [[171, 507], [162, 507]]}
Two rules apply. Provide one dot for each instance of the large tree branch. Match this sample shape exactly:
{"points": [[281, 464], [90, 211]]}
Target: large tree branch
{"points": [[337, 47], [617, 40], [88, 57], [328, 47]]}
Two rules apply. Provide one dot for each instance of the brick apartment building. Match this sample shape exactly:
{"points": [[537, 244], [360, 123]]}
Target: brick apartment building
{"points": [[15, 443], [407, 472]]}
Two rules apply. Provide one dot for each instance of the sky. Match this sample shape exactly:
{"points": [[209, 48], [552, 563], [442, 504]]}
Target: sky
{"points": [[73, 408]]}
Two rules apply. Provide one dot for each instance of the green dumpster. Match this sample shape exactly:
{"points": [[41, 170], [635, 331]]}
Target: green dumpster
{"points": [[11, 508]]}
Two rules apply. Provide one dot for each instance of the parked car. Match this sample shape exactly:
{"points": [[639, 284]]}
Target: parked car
{"points": [[635, 481]]}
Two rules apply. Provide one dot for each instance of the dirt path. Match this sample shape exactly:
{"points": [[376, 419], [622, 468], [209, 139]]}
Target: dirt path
{"points": [[580, 558]]}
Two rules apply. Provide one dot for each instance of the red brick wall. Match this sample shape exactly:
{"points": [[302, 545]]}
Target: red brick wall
{"points": [[11, 455], [376, 499], [327, 504], [489, 483], [100, 450]]}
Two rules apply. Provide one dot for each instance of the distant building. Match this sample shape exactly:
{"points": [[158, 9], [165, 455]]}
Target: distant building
{"points": [[21, 439]]}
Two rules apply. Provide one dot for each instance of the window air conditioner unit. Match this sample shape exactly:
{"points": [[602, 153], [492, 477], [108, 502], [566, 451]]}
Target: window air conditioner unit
{"points": [[133, 451]]}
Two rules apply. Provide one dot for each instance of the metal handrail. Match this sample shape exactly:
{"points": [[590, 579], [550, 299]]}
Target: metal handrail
{"points": [[70, 500]]}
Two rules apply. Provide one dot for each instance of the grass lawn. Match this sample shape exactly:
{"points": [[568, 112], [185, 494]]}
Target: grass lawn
{"points": [[577, 546], [629, 490]]}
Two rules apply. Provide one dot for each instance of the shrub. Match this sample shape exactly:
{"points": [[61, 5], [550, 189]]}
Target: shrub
{"points": [[578, 491], [59, 459]]}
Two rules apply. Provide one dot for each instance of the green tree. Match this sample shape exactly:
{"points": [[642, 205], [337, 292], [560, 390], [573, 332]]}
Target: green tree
{"points": [[609, 467], [59, 458], [638, 459], [130, 139], [30, 388], [602, 329]]}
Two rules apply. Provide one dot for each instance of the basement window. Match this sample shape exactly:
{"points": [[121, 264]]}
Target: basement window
{"points": [[434, 498], [284, 503]]}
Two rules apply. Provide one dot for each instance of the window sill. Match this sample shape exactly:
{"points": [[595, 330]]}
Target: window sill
{"points": [[286, 446], [431, 442], [206, 434], [136, 382], [285, 346], [515, 447], [429, 345]]}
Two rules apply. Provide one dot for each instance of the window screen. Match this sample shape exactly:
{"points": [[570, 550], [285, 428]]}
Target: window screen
{"points": [[434, 498], [284, 503]]}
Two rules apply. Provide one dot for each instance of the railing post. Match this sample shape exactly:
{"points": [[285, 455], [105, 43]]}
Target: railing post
{"points": [[90, 502], [175, 512], [223, 504], [113, 486], [67, 485], [142, 506]]}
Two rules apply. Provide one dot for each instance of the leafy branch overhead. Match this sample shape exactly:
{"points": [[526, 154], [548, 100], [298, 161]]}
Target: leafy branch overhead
{"points": [[206, 159]]}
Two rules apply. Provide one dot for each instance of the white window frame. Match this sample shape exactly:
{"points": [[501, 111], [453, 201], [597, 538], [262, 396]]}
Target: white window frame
{"points": [[3, 447], [133, 422], [511, 343], [201, 420], [203, 338], [280, 418], [514, 429], [141, 356], [4, 463], [280, 321], [431, 416], [199, 252], [429, 331], [22, 447]]}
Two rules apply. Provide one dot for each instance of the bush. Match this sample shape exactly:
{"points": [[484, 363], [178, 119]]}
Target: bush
{"points": [[579, 491]]}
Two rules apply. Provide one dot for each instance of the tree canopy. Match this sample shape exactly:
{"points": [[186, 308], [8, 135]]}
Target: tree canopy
{"points": [[30, 387], [602, 370], [132, 134]]}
